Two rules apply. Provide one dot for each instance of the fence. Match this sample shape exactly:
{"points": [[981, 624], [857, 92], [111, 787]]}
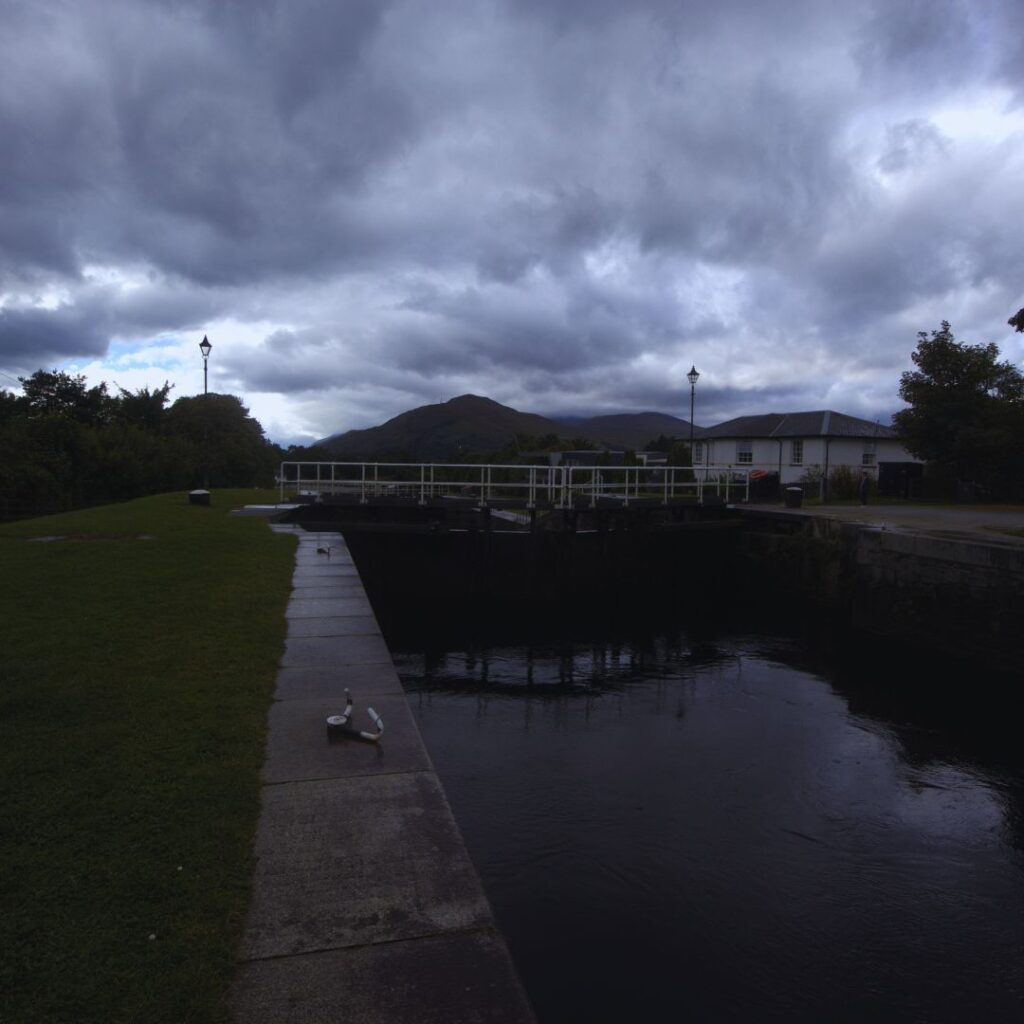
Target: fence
{"points": [[526, 486]]}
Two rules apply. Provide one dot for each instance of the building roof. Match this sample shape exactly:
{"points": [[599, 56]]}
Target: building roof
{"points": [[822, 423]]}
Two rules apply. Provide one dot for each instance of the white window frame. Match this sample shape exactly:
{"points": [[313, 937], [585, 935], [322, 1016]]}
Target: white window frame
{"points": [[744, 453], [796, 453], [870, 453], [698, 453]]}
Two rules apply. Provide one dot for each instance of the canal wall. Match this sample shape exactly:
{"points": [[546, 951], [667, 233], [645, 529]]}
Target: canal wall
{"points": [[542, 566], [447, 553], [946, 596]]}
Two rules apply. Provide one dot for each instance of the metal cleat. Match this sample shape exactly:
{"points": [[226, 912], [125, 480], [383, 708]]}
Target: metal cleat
{"points": [[338, 725], [335, 721]]}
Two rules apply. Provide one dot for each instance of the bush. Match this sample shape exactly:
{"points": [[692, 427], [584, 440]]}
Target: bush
{"points": [[811, 480], [844, 483]]}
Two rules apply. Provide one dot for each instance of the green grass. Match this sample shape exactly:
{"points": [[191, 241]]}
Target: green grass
{"points": [[137, 666]]}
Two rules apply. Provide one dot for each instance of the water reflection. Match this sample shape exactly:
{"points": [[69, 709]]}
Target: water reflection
{"points": [[672, 824]]}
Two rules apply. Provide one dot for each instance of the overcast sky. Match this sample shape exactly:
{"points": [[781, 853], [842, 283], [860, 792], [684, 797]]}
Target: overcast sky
{"points": [[560, 204]]}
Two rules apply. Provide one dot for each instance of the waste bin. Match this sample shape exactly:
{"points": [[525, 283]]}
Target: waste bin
{"points": [[200, 497], [794, 497]]}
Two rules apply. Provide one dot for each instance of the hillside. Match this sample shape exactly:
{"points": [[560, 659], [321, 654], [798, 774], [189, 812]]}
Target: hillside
{"points": [[472, 424], [468, 423], [632, 430]]}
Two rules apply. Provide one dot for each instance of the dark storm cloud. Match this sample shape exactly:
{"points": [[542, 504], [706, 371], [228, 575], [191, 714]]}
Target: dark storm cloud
{"points": [[558, 202], [43, 336], [920, 44]]}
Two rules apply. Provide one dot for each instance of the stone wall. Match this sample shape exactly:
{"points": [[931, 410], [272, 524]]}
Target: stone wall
{"points": [[955, 596]]}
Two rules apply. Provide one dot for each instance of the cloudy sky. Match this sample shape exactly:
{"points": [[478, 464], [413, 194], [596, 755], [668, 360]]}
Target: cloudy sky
{"points": [[370, 205]]}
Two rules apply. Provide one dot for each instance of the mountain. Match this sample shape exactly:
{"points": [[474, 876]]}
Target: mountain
{"points": [[632, 430], [468, 423], [471, 423]]}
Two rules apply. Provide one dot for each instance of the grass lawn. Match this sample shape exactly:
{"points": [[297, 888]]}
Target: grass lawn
{"points": [[138, 661]]}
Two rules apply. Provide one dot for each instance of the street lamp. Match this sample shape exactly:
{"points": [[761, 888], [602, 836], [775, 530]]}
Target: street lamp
{"points": [[204, 347], [692, 377]]}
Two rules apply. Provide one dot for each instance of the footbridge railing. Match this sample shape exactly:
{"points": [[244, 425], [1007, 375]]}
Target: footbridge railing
{"points": [[565, 486]]}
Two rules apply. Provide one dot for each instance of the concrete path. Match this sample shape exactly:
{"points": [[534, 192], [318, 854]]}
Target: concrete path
{"points": [[366, 907]]}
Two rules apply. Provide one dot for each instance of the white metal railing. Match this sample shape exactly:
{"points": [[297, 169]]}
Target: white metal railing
{"points": [[559, 486]]}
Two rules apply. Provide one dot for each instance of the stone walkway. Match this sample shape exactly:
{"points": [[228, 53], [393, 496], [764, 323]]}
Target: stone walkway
{"points": [[986, 523], [365, 907]]}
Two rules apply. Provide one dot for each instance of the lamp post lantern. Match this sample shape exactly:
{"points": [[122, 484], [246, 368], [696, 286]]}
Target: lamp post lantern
{"points": [[692, 377]]}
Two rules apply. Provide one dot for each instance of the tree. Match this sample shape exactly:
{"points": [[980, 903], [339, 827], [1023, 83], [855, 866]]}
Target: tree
{"points": [[9, 407], [1017, 320], [144, 408], [224, 438], [661, 443], [64, 445], [679, 454], [58, 392], [966, 412]]}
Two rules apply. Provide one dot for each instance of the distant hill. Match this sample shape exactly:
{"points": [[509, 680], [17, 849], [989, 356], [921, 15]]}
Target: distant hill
{"points": [[468, 423], [474, 424], [633, 430]]}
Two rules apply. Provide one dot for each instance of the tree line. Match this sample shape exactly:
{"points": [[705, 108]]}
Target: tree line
{"points": [[66, 445]]}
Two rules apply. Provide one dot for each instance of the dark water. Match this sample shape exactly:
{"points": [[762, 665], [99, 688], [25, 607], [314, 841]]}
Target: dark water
{"points": [[695, 825]]}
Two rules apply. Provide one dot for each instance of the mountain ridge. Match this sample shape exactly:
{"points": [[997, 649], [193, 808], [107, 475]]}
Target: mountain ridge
{"points": [[475, 424]]}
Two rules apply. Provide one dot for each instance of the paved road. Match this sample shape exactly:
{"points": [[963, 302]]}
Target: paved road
{"points": [[989, 522]]}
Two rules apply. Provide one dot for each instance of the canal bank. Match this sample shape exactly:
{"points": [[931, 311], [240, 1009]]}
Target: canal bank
{"points": [[365, 904], [948, 582]]}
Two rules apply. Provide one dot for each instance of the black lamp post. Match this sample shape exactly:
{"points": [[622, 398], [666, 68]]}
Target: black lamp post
{"points": [[692, 377], [204, 347]]}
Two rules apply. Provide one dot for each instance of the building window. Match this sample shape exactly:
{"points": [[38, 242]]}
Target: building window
{"points": [[744, 452], [796, 453], [698, 453], [868, 458]]}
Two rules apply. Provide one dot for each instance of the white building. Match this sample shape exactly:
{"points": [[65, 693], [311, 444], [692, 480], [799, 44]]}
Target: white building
{"points": [[799, 444]]}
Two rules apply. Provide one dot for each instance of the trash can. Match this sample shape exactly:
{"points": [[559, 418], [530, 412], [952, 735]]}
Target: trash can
{"points": [[200, 497], [794, 497]]}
